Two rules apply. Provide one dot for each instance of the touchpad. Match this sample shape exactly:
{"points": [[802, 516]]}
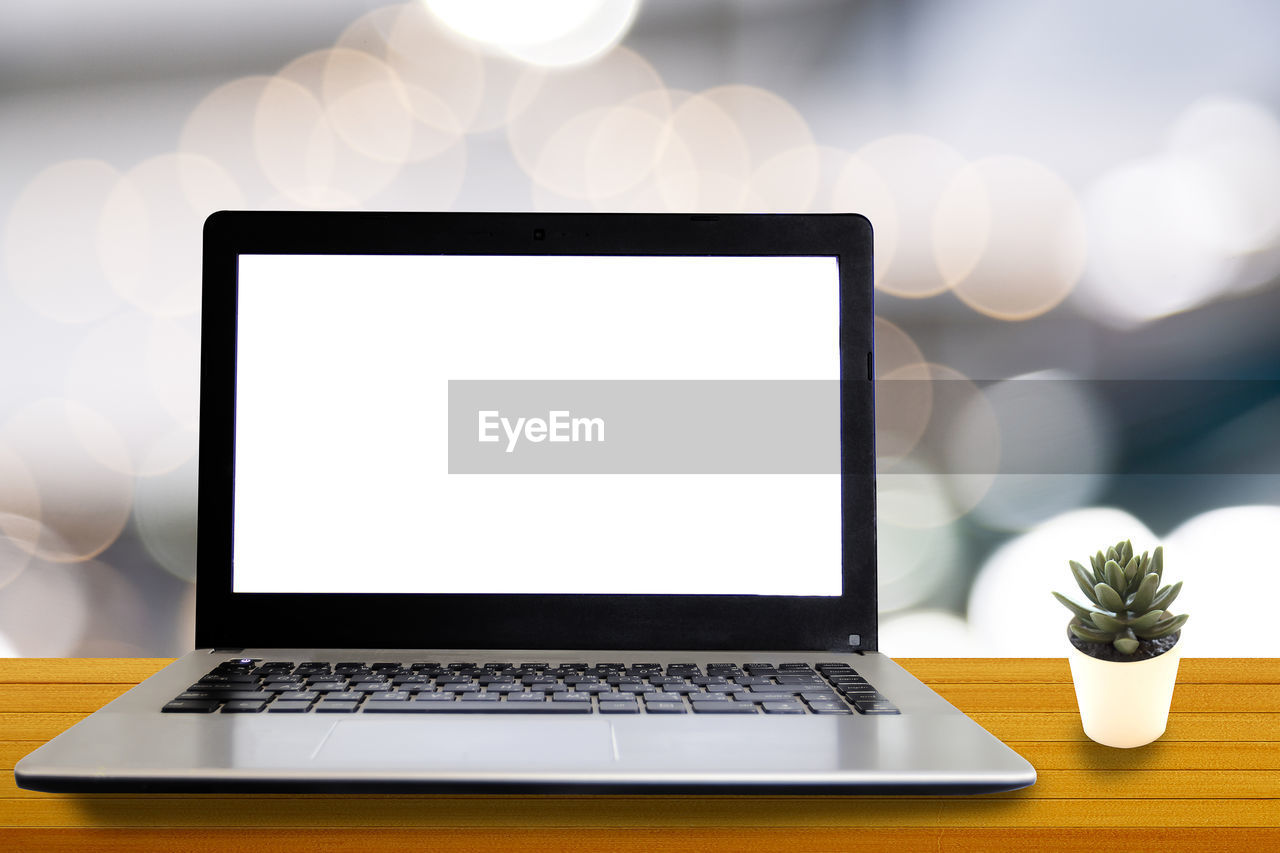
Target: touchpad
{"points": [[468, 743]]}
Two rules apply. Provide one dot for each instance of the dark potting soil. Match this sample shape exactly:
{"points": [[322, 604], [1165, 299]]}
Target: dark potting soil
{"points": [[1147, 649]]}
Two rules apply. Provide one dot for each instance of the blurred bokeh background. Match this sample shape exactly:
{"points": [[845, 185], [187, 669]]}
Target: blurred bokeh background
{"points": [[1078, 234]]}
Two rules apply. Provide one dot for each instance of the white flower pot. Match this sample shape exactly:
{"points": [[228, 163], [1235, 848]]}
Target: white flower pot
{"points": [[1124, 704]]}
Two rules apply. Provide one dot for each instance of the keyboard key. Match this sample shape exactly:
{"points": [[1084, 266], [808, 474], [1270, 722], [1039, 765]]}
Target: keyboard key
{"points": [[404, 678], [389, 696], [459, 688], [499, 707], [617, 697], [240, 695], [619, 708], [327, 686], [488, 680], [840, 710], [242, 706], [819, 696], [724, 707], [481, 697], [190, 706], [708, 697], [665, 708], [846, 679], [858, 690], [396, 708], [298, 696], [875, 707], [722, 688], [506, 688], [340, 704], [826, 705], [572, 697], [239, 678], [281, 687], [592, 688], [799, 679], [526, 697], [285, 706], [636, 688], [782, 708]]}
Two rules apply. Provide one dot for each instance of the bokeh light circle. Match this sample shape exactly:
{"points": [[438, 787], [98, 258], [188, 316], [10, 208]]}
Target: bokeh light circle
{"points": [[302, 153], [45, 610], [50, 239], [118, 620], [83, 504], [567, 32], [1237, 142], [1150, 254], [164, 513], [929, 633], [705, 162], [1011, 610], [114, 371], [915, 563], [425, 59], [902, 407], [1009, 237], [953, 463], [221, 129], [368, 106], [624, 146], [1058, 444], [149, 237], [782, 157], [20, 528], [916, 171], [552, 137], [859, 188], [1193, 553]]}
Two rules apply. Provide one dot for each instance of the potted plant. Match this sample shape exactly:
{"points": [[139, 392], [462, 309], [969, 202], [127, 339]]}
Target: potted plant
{"points": [[1125, 645]]}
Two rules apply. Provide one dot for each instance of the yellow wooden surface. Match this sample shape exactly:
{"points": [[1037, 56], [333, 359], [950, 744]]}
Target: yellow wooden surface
{"points": [[1211, 783]]}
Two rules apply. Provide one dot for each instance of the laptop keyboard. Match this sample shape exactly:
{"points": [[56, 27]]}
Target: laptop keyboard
{"points": [[251, 686]]}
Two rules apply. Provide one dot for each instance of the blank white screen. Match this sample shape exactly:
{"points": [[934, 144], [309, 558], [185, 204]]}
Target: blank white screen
{"points": [[341, 475]]}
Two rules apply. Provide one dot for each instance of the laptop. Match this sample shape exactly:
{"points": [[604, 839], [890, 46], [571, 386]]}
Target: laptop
{"points": [[534, 502]]}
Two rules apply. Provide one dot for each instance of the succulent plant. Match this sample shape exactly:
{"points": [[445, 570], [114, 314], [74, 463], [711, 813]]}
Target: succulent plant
{"points": [[1127, 603]]}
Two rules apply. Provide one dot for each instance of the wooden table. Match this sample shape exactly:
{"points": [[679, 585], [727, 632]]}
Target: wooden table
{"points": [[1211, 783]]}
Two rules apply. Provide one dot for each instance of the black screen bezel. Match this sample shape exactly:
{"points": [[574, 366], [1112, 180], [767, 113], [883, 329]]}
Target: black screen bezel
{"points": [[225, 619]]}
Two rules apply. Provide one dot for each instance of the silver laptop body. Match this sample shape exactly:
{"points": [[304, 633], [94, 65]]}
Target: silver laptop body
{"points": [[534, 502]]}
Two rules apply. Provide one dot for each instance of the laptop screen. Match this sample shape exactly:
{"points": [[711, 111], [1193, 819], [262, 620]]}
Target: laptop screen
{"points": [[537, 424]]}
